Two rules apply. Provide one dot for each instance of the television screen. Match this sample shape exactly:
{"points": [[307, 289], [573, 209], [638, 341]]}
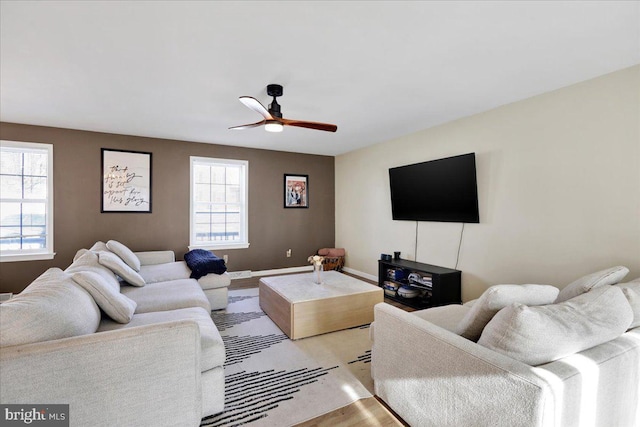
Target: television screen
{"points": [[438, 190]]}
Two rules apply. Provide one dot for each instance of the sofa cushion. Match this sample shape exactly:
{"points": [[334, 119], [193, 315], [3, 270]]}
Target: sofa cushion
{"points": [[164, 272], [124, 253], [162, 296], [332, 252], [584, 284], [495, 299], [631, 291], [214, 281], [114, 263], [447, 316], [52, 307], [178, 270], [213, 352], [538, 335], [106, 294], [155, 257]]}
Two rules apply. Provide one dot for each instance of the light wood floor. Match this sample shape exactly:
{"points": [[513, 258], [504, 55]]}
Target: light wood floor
{"points": [[370, 412]]}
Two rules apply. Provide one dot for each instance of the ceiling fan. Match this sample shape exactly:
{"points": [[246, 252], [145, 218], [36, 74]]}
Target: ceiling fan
{"points": [[273, 120]]}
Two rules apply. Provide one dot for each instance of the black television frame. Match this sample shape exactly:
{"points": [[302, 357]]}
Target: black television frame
{"points": [[441, 190]]}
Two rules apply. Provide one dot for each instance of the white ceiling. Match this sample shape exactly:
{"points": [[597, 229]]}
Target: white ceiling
{"points": [[377, 69]]}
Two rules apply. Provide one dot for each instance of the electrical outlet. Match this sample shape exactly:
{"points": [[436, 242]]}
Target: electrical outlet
{"points": [[288, 253], [225, 257]]}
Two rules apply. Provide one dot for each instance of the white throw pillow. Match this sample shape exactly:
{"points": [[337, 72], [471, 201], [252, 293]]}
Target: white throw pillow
{"points": [[125, 253], [80, 253], [88, 261], [538, 335], [498, 297], [591, 281], [118, 266], [99, 246], [631, 290], [107, 295]]}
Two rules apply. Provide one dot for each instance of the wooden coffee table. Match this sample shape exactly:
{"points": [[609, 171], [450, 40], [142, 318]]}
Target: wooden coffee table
{"points": [[302, 308]]}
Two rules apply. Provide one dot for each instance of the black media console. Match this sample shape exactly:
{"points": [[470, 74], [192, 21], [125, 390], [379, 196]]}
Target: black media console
{"points": [[435, 285]]}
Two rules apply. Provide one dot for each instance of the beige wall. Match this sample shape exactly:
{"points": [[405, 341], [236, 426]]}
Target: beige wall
{"points": [[558, 183], [79, 223]]}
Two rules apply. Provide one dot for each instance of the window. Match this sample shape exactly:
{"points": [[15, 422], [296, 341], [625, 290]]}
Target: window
{"points": [[219, 200], [26, 201]]}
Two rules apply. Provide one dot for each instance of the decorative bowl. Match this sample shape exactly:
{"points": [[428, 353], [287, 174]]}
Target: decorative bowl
{"points": [[408, 292], [390, 288]]}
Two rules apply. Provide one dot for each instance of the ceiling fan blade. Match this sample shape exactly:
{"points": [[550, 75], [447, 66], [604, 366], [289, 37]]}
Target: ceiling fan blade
{"points": [[309, 125], [256, 106], [249, 126]]}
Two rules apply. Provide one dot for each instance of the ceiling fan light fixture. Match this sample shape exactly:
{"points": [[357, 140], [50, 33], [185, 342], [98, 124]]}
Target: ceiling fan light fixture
{"points": [[273, 120], [273, 126]]}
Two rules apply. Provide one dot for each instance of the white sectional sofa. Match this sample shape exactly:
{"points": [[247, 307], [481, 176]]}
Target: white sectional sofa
{"points": [[140, 352], [509, 360]]}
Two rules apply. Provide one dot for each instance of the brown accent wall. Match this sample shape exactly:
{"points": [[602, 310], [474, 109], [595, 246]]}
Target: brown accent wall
{"points": [[79, 223]]}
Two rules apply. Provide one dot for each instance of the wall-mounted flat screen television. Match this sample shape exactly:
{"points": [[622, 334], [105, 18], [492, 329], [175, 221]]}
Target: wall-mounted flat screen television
{"points": [[442, 190]]}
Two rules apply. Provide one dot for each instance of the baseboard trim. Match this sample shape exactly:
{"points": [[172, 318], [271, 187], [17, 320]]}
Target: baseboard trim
{"points": [[278, 271], [361, 274]]}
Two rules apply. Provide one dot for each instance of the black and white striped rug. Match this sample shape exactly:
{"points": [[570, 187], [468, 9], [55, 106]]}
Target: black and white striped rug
{"points": [[274, 381]]}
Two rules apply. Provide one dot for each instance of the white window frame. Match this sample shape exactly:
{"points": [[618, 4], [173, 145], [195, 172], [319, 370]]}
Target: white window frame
{"points": [[46, 252], [243, 243]]}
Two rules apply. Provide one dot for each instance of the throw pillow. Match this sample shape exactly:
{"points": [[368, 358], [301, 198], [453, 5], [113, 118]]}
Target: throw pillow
{"points": [[107, 295], [538, 335], [99, 246], [88, 261], [202, 262], [498, 297], [114, 263], [80, 253], [584, 284], [125, 253], [631, 290]]}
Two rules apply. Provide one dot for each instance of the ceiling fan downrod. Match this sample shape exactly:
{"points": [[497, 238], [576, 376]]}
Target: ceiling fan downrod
{"points": [[275, 91]]}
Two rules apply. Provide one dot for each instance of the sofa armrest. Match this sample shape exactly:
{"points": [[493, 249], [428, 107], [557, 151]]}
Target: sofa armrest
{"points": [[433, 377], [214, 281], [155, 257], [134, 376]]}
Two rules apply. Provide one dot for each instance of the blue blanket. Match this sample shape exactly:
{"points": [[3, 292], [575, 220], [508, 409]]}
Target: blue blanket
{"points": [[202, 262]]}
